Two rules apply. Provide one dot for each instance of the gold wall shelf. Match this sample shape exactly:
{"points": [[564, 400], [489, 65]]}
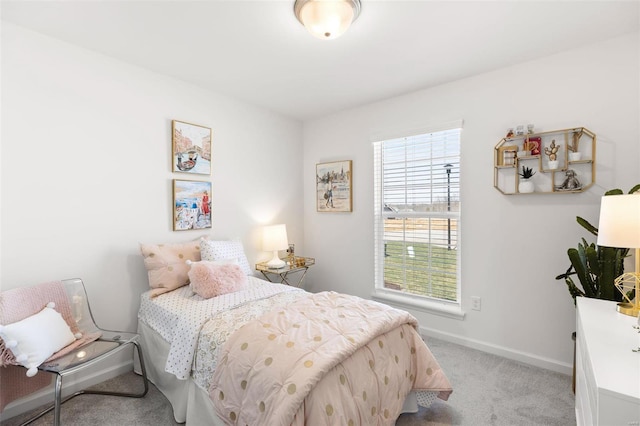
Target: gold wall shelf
{"points": [[514, 152]]}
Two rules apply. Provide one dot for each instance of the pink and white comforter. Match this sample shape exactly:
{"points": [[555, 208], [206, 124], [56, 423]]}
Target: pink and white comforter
{"points": [[328, 358]]}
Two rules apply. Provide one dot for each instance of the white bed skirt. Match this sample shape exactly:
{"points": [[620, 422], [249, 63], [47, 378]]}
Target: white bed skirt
{"points": [[191, 404]]}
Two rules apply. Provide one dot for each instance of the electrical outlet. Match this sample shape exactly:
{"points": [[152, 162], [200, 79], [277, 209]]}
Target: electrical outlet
{"points": [[476, 303]]}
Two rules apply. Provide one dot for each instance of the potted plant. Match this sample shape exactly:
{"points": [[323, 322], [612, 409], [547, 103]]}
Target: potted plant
{"points": [[596, 267], [574, 147], [526, 184]]}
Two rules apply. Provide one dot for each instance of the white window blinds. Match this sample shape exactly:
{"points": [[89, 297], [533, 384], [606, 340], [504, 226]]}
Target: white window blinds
{"points": [[417, 211]]}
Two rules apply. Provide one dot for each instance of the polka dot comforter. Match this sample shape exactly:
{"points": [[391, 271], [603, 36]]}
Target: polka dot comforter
{"points": [[324, 359], [181, 316]]}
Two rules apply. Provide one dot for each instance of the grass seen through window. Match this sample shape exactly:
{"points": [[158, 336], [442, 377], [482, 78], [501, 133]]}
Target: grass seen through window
{"points": [[421, 268]]}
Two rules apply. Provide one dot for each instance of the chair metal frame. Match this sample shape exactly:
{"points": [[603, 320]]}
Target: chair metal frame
{"points": [[110, 343]]}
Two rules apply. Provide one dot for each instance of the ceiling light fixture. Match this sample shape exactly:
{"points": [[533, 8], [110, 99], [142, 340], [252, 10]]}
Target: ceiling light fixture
{"points": [[326, 19]]}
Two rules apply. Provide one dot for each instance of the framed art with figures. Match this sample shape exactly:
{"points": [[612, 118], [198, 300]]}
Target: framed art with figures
{"points": [[191, 205], [191, 148], [334, 187]]}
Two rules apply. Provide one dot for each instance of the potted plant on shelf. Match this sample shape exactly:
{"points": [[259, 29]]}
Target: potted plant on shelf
{"points": [[526, 184], [574, 147]]}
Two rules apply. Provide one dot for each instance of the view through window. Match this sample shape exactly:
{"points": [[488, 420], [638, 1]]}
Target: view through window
{"points": [[417, 212]]}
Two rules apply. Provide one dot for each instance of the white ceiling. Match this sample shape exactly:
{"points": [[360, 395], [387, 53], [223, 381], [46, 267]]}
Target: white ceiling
{"points": [[257, 51]]}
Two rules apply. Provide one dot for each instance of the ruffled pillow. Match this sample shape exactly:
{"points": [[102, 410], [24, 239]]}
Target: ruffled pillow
{"points": [[209, 279]]}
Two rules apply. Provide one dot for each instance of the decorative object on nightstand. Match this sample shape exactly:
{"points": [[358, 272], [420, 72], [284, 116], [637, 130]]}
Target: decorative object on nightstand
{"points": [[619, 226], [297, 268], [274, 238]]}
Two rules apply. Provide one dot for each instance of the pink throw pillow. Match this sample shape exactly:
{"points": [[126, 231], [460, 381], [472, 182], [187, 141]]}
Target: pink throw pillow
{"points": [[209, 279]]}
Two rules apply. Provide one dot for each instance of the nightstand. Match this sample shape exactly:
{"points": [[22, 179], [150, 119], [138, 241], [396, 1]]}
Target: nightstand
{"points": [[291, 274]]}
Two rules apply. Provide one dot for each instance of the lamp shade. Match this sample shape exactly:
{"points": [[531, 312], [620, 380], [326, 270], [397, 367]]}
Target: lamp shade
{"points": [[327, 19], [619, 224], [274, 237]]}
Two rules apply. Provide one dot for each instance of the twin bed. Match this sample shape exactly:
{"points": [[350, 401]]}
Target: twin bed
{"points": [[274, 354]]}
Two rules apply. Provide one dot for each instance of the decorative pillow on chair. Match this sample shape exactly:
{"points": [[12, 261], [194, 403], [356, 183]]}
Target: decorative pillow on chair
{"points": [[165, 264], [212, 250], [35, 338], [210, 279]]}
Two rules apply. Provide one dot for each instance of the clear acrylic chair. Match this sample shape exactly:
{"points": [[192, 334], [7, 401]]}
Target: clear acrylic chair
{"points": [[86, 356]]}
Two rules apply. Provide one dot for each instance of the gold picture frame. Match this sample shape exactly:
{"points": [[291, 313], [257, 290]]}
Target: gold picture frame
{"points": [[191, 205], [507, 155], [334, 190], [190, 148]]}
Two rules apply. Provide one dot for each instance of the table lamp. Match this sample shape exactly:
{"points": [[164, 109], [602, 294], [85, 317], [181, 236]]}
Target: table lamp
{"points": [[274, 238], [619, 226]]}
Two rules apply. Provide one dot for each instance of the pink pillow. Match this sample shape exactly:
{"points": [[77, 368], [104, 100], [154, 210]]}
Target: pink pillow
{"points": [[209, 279], [165, 264]]}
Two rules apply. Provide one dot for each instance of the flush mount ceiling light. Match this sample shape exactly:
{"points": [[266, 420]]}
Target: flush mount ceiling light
{"points": [[327, 19]]}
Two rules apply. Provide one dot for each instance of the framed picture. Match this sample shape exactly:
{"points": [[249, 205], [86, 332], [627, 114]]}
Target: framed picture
{"points": [[191, 205], [507, 155], [191, 148], [333, 186]]}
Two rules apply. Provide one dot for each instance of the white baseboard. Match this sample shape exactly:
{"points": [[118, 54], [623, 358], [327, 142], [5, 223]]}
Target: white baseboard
{"points": [[524, 357], [71, 385]]}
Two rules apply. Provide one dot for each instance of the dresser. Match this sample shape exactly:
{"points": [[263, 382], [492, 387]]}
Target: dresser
{"points": [[607, 370]]}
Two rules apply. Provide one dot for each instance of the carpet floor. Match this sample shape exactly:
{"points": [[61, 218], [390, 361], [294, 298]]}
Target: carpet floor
{"points": [[487, 390]]}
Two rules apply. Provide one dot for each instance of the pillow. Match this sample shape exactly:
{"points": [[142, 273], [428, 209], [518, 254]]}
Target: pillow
{"points": [[35, 338], [209, 279], [165, 264], [213, 250]]}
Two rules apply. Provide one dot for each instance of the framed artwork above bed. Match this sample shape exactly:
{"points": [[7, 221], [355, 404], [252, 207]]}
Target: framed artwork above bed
{"points": [[191, 148], [333, 187], [191, 205]]}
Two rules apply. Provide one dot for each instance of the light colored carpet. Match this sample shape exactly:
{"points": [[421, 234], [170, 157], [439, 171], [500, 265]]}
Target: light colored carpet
{"points": [[488, 390]]}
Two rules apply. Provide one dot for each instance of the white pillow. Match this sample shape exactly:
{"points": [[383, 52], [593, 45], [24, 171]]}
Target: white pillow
{"points": [[35, 338], [226, 251]]}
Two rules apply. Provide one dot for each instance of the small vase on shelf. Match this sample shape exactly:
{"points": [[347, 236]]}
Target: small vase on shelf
{"points": [[575, 156], [525, 186], [553, 164]]}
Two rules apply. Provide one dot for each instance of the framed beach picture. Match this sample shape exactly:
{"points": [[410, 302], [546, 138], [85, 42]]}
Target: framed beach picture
{"points": [[191, 148], [334, 186], [191, 205]]}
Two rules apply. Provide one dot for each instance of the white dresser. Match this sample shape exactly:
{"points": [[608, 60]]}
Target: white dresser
{"points": [[607, 371]]}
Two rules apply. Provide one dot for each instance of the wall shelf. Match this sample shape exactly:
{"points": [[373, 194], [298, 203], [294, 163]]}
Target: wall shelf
{"points": [[514, 152]]}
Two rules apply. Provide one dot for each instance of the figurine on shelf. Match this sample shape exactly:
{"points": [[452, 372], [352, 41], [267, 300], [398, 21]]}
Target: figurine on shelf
{"points": [[552, 150], [570, 183], [509, 133]]}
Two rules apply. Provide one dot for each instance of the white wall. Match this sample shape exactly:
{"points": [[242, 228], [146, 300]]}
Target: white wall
{"points": [[513, 246], [86, 169]]}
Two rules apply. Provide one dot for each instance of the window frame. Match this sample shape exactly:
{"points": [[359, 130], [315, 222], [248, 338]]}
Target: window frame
{"points": [[442, 307]]}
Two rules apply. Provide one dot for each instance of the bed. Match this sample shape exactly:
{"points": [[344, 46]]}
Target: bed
{"points": [[274, 354]]}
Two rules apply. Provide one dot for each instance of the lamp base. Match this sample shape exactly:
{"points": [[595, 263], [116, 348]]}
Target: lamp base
{"points": [[628, 309], [276, 262], [627, 284]]}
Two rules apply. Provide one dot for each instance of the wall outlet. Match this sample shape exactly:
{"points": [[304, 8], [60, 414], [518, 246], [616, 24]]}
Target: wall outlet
{"points": [[476, 303]]}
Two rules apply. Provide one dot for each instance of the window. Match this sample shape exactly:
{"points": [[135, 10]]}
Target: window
{"points": [[417, 216]]}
